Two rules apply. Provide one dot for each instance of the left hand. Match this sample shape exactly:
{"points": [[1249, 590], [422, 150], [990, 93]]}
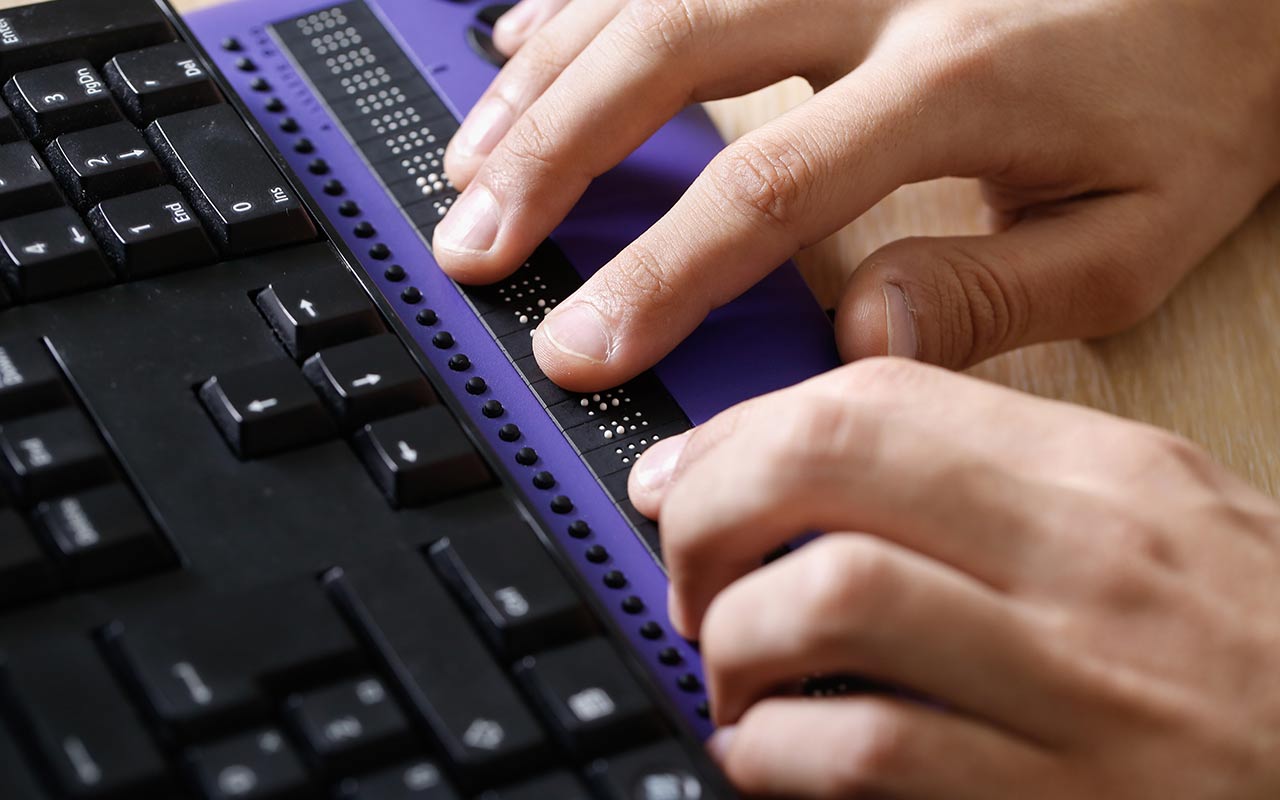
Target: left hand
{"points": [[1090, 606]]}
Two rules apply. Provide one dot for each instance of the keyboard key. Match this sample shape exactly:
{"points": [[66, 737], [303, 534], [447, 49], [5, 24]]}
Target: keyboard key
{"points": [[266, 409], [594, 701], [38, 34], [104, 162], [51, 253], [87, 734], [101, 535], [9, 129], [25, 184], [421, 458], [159, 81], [259, 765], [421, 780], [561, 785], [508, 578], [30, 382], [310, 312], [54, 100], [151, 232], [239, 193], [25, 573], [368, 379], [51, 455], [351, 726], [659, 772], [447, 674], [203, 663]]}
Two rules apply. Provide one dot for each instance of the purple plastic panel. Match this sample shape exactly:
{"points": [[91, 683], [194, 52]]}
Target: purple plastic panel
{"points": [[771, 337]]}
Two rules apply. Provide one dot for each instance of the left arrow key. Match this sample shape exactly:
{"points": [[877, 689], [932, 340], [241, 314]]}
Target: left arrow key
{"points": [[265, 409]]}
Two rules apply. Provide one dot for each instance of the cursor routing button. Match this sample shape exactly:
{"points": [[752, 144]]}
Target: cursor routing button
{"points": [[265, 409]]}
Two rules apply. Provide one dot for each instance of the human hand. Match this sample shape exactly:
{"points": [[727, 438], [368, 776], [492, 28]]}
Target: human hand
{"points": [[1091, 606], [1117, 141]]}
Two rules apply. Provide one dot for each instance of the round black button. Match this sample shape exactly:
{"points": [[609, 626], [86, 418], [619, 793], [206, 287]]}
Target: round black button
{"points": [[544, 480], [443, 340], [704, 710], [509, 433], [492, 409], [670, 656], [477, 385], [579, 529], [232, 45], [365, 230], [651, 630], [460, 363], [427, 317], [334, 188], [275, 105], [318, 167], [596, 554], [689, 682], [246, 65], [631, 605], [290, 125], [394, 273], [349, 208], [411, 294], [260, 85], [615, 580], [526, 456], [380, 252], [304, 146]]}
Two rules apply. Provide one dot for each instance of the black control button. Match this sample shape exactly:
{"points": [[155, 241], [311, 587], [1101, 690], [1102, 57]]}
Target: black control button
{"points": [[265, 409], [368, 379], [151, 232], [562, 785], [312, 312], [25, 574], [101, 535], [661, 771], [490, 15], [420, 780], [507, 578], [29, 380], [104, 162], [239, 193], [596, 704], [51, 253], [159, 81], [87, 734], [351, 726], [54, 100], [91, 29], [421, 458], [9, 129], [260, 765], [481, 43], [51, 455], [25, 184], [480, 721], [206, 664]]}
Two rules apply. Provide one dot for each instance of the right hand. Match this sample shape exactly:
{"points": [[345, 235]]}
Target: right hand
{"points": [[1118, 141]]}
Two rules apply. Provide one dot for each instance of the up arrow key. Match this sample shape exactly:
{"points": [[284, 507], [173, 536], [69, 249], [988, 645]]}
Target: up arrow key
{"points": [[407, 453], [308, 307]]}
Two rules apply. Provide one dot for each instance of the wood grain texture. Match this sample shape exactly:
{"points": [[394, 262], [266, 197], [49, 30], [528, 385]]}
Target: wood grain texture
{"points": [[1207, 365]]}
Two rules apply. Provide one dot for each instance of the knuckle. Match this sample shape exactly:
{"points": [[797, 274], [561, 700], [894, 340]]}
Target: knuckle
{"points": [[842, 578], [669, 27], [540, 57], [879, 745], [881, 377], [642, 281], [528, 146], [764, 177]]}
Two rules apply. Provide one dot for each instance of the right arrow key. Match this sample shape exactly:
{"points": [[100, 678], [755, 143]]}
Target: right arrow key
{"points": [[264, 409], [368, 379]]}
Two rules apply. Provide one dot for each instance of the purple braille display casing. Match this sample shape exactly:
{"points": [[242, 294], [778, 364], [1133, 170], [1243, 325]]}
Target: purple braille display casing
{"points": [[772, 336]]}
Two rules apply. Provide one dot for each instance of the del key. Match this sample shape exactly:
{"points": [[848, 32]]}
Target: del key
{"points": [[243, 199]]}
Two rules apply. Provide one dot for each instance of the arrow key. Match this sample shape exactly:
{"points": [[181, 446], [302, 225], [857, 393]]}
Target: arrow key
{"points": [[421, 457], [265, 409], [151, 232], [314, 310], [50, 253], [368, 379]]}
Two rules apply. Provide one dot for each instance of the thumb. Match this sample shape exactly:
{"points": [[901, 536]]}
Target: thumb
{"points": [[1079, 270]]}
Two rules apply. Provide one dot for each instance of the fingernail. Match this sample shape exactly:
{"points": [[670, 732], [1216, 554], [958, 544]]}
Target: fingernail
{"points": [[658, 464], [901, 323], [577, 330], [517, 20], [483, 128], [471, 226], [720, 742]]}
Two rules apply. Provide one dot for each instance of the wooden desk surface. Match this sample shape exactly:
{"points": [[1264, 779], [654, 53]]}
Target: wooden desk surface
{"points": [[1207, 365]]}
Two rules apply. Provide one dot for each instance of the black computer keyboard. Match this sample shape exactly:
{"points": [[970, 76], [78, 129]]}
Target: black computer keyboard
{"points": [[247, 547]]}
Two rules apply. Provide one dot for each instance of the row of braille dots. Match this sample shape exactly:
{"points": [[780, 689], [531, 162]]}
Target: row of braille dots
{"points": [[476, 385], [524, 294], [322, 21]]}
